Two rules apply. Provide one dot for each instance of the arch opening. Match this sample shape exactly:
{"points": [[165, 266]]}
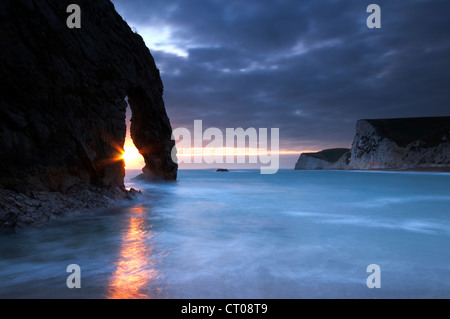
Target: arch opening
{"points": [[151, 134], [132, 158]]}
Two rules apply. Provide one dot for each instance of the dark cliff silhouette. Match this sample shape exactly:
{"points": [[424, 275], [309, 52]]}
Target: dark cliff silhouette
{"points": [[62, 102]]}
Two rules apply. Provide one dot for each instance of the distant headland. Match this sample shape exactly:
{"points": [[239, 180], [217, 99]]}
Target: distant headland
{"points": [[421, 144]]}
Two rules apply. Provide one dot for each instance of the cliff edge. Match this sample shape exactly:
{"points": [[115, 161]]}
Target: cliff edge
{"points": [[62, 108], [395, 144], [326, 159]]}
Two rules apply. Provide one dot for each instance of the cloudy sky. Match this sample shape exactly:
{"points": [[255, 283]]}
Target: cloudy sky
{"points": [[309, 68]]}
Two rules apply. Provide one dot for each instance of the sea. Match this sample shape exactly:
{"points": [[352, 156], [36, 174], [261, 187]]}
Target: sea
{"points": [[241, 235]]}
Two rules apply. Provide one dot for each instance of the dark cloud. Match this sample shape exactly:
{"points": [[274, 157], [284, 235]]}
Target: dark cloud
{"points": [[311, 68]]}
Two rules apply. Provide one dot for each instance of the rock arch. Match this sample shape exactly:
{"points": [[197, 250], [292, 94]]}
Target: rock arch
{"points": [[62, 108], [152, 138]]}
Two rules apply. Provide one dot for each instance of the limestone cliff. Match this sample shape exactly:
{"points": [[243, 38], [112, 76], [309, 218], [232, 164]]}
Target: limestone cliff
{"points": [[401, 143], [62, 103], [409, 143]]}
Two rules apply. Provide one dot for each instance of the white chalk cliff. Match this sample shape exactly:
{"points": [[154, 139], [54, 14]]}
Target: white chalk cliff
{"points": [[409, 143]]}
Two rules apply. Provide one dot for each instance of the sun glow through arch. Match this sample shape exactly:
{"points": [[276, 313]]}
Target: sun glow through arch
{"points": [[130, 155], [132, 158]]}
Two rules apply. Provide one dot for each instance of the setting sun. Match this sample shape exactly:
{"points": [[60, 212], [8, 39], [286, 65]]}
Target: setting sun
{"points": [[133, 159], [131, 156]]}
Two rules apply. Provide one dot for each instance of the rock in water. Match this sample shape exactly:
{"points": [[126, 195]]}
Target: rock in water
{"points": [[62, 106], [222, 170], [405, 143]]}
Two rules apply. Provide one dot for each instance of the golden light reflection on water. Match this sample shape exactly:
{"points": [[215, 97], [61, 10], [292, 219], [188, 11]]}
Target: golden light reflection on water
{"points": [[136, 264]]}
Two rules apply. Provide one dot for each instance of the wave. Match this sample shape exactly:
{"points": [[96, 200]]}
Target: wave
{"points": [[411, 225], [386, 201]]}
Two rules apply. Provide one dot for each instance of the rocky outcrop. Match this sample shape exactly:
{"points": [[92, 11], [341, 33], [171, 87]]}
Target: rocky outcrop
{"points": [[410, 143], [62, 104], [38, 207], [336, 158]]}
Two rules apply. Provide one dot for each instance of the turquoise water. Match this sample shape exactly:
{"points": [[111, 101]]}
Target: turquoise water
{"points": [[296, 234]]}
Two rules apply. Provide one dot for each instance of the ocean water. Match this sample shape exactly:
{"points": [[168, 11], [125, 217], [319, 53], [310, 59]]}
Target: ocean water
{"points": [[295, 234]]}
